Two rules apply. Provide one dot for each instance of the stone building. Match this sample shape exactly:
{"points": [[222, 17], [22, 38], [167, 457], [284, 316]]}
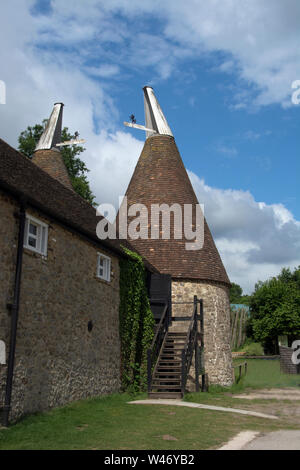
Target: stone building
{"points": [[59, 284], [161, 178], [59, 295]]}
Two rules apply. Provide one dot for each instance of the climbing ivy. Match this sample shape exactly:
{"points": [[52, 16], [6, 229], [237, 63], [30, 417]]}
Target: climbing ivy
{"points": [[136, 322]]}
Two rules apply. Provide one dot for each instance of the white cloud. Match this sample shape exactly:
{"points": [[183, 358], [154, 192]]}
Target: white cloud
{"points": [[226, 150], [103, 71], [255, 239], [113, 157], [261, 36], [252, 135], [259, 40]]}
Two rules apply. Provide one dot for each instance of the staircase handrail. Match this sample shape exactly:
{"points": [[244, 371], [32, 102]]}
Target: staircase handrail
{"points": [[187, 352]]}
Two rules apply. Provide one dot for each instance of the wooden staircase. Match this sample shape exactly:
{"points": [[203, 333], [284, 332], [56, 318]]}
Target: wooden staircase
{"points": [[167, 375], [172, 350]]}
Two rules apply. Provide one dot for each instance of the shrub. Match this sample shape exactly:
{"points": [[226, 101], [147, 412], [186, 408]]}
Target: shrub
{"points": [[253, 349]]}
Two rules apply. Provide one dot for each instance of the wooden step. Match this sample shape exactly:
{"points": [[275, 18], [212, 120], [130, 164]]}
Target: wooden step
{"points": [[168, 373], [170, 358], [163, 380], [171, 395], [176, 347], [175, 340], [170, 350], [176, 334], [164, 364], [166, 387], [166, 379], [170, 354], [169, 364]]}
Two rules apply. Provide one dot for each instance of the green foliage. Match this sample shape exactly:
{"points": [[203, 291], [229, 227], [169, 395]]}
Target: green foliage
{"points": [[28, 139], [245, 299], [253, 349], [275, 307], [235, 293], [136, 322], [77, 169]]}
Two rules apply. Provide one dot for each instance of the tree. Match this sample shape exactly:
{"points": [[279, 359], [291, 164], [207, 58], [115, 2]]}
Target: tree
{"points": [[76, 168], [236, 293], [275, 307]]}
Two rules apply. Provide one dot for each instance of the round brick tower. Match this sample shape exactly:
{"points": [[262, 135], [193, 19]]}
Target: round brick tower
{"points": [[161, 178]]}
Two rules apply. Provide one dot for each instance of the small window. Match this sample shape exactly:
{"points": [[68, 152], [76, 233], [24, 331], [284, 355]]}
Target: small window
{"points": [[103, 267], [36, 235]]}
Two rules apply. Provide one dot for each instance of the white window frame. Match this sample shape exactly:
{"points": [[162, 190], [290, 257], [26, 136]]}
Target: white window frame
{"points": [[106, 267], [41, 236]]}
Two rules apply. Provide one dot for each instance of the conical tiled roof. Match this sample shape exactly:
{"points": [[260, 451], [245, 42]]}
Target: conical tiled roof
{"points": [[161, 178]]}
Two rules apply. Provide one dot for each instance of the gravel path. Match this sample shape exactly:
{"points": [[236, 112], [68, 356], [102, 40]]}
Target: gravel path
{"points": [[271, 394]]}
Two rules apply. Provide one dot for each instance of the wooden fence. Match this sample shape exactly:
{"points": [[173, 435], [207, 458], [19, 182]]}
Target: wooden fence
{"points": [[238, 319], [240, 367]]}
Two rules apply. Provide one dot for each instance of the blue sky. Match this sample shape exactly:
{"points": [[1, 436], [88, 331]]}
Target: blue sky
{"points": [[223, 77]]}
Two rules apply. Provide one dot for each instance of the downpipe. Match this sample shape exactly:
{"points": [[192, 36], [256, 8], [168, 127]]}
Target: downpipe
{"points": [[14, 317]]}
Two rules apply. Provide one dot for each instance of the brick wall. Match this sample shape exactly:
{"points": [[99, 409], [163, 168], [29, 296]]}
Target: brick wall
{"points": [[51, 161], [57, 359]]}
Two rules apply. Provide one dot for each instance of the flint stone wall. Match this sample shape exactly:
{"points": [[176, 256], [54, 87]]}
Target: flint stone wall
{"points": [[57, 359], [217, 352]]}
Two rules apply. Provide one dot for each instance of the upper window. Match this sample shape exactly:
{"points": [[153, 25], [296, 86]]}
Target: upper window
{"points": [[36, 235], [103, 267]]}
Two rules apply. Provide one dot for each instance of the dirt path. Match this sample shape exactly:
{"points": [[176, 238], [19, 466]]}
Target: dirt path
{"points": [[283, 403], [272, 394]]}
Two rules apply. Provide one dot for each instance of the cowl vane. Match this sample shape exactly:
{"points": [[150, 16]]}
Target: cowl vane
{"points": [[155, 121], [52, 133]]}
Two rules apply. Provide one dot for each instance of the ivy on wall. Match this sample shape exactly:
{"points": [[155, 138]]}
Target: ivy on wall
{"points": [[136, 322]]}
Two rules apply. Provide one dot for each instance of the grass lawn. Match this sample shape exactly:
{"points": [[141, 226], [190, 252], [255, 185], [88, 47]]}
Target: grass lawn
{"points": [[266, 374], [111, 423], [261, 373]]}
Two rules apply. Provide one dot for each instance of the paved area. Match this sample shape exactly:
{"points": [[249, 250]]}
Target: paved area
{"points": [[277, 440], [201, 406], [240, 440]]}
